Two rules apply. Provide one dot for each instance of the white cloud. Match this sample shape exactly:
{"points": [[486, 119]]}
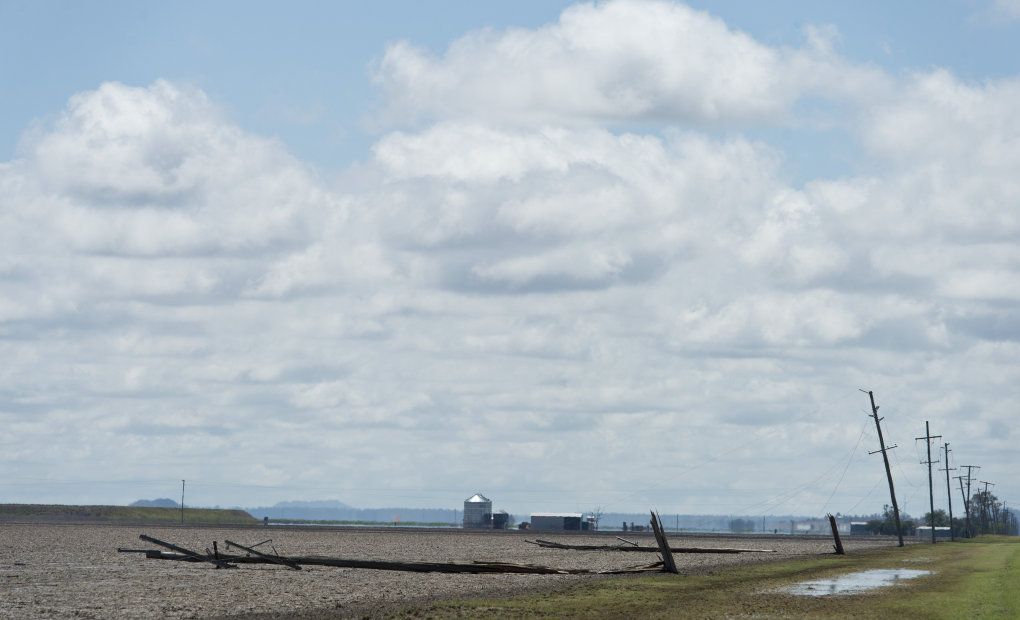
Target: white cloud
{"points": [[1005, 11], [560, 208], [622, 60], [157, 171]]}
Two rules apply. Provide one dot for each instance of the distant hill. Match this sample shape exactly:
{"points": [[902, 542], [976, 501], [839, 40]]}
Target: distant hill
{"points": [[46, 513], [163, 502], [315, 504], [335, 510]]}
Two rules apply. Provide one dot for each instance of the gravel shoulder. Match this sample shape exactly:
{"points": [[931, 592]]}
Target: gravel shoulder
{"points": [[51, 571]]}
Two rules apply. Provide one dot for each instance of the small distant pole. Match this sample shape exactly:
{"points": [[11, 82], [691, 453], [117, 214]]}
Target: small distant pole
{"points": [[966, 509], [931, 489], [949, 491], [967, 497], [986, 512], [182, 502]]}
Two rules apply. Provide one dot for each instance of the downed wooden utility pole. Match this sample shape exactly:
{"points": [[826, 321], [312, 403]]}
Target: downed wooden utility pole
{"points": [[555, 545], [271, 558], [668, 564], [415, 567], [188, 552], [835, 535]]}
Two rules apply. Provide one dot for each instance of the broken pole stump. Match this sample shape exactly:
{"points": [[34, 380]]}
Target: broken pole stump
{"points": [[835, 535], [668, 564]]}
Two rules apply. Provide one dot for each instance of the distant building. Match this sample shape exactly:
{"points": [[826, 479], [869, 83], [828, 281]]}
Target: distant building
{"points": [[500, 520], [924, 531], [558, 521], [477, 512], [858, 527]]}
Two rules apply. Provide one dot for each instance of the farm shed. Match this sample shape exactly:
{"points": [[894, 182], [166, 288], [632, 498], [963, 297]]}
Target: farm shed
{"points": [[557, 521]]}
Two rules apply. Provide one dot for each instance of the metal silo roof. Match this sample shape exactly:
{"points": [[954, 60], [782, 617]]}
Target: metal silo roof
{"points": [[477, 498]]}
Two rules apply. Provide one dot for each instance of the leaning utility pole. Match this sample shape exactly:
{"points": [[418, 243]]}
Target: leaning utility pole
{"points": [[949, 492], [931, 490], [885, 457], [182, 502]]}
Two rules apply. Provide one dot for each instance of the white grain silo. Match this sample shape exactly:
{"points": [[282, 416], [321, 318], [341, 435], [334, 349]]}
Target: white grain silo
{"points": [[477, 511]]}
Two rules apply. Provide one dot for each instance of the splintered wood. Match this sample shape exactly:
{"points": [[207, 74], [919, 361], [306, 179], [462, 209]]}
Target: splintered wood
{"points": [[668, 564]]}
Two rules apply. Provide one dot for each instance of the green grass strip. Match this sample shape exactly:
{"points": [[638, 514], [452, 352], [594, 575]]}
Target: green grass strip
{"points": [[974, 579]]}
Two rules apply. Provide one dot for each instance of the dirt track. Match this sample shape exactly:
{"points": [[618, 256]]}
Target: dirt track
{"points": [[75, 571]]}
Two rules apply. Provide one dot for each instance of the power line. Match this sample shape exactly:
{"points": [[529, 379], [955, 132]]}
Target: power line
{"points": [[759, 435], [860, 501], [850, 460]]}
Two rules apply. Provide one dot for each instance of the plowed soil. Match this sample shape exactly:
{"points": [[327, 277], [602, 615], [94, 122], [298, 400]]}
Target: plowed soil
{"points": [[61, 571]]}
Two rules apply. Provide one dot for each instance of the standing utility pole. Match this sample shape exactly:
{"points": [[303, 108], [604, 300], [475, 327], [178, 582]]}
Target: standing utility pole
{"points": [[888, 470], [949, 491], [931, 490], [182, 502], [966, 498]]}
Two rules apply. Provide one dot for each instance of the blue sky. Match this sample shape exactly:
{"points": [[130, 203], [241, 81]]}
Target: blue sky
{"points": [[298, 71], [301, 72], [385, 246]]}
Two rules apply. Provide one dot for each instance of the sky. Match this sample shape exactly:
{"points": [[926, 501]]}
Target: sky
{"points": [[622, 254]]}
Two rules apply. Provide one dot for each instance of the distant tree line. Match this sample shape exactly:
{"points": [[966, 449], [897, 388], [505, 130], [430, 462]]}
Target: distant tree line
{"points": [[988, 515], [741, 525]]}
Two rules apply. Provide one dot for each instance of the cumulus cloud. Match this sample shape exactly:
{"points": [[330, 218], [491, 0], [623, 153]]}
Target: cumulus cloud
{"points": [[158, 171], [562, 208], [624, 60]]}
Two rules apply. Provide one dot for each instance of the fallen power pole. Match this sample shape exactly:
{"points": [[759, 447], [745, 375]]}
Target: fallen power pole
{"points": [[295, 562], [885, 458], [550, 544], [395, 565], [949, 491], [931, 489]]}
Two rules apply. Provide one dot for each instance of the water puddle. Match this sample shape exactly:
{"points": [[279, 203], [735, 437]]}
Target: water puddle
{"points": [[855, 583]]}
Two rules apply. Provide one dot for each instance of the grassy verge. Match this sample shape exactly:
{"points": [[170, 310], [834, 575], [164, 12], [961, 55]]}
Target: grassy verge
{"points": [[976, 579], [51, 513]]}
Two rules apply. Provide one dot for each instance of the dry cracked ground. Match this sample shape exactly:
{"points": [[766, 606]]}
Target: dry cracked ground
{"points": [[63, 571]]}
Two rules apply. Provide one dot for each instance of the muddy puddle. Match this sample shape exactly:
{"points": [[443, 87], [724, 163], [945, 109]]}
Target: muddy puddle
{"points": [[855, 583]]}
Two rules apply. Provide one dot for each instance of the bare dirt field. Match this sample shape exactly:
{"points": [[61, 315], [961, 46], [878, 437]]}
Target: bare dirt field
{"points": [[75, 571]]}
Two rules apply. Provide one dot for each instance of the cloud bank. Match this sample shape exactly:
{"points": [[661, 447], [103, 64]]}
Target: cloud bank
{"points": [[516, 288]]}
